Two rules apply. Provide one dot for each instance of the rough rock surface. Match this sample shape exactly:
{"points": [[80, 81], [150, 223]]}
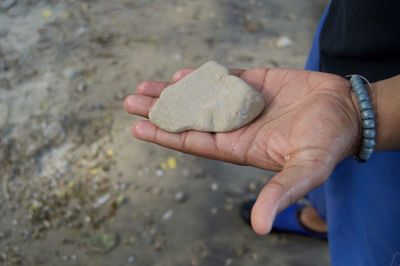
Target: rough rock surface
{"points": [[208, 99]]}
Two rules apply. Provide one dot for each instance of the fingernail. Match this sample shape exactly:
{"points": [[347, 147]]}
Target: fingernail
{"points": [[131, 99], [141, 86], [271, 220], [176, 76], [137, 128]]}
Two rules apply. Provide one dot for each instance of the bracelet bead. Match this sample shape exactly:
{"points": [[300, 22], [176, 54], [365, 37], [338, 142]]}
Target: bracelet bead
{"points": [[369, 133], [363, 97], [365, 154], [368, 123], [368, 143], [367, 114], [368, 118], [365, 105]]}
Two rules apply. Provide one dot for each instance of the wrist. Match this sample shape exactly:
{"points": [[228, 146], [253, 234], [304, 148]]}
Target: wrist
{"points": [[386, 101], [385, 98]]}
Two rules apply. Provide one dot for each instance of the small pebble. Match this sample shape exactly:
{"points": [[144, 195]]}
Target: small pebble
{"points": [[72, 73], [87, 219], [214, 210], [46, 224], [228, 262], [101, 200], [74, 257], [131, 259], [214, 186], [7, 4], [180, 196], [252, 187], [167, 215], [254, 256], [283, 42], [159, 172], [82, 87], [65, 258]]}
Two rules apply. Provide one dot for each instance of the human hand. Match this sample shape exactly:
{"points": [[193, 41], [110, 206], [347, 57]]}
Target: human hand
{"points": [[309, 124]]}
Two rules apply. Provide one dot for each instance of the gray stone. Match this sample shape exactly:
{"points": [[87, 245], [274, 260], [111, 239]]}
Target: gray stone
{"points": [[82, 87], [7, 4], [283, 42], [167, 215], [208, 99], [72, 73], [180, 196]]}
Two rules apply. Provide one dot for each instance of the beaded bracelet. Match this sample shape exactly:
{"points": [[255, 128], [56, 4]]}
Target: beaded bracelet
{"points": [[367, 116]]}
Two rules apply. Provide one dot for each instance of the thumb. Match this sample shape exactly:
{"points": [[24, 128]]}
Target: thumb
{"points": [[299, 176]]}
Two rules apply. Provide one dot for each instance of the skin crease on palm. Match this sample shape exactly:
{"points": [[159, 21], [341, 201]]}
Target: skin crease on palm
{"points": [[309, 124]]}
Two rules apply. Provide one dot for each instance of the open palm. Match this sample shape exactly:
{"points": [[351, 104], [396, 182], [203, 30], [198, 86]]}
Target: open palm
{"points": [[309, 124]]}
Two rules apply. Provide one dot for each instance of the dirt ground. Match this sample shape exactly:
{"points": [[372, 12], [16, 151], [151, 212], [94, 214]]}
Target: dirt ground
{"points": [[76, 188]]}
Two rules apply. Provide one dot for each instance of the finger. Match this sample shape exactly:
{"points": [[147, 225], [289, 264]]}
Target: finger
{"points": [[139, 104], [256, 77], [292, 183], [184, 72], [151, 88], [181, 74], [236, 71], [194, 142]]}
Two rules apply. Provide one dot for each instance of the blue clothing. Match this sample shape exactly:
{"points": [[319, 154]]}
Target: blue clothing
{"points": [[361, 203]]}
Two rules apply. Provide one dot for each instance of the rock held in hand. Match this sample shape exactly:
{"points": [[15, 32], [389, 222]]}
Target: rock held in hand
{"points": [[208, 99]]}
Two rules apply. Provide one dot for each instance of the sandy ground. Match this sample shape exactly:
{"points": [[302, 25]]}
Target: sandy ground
{"points": [[76, 188]]}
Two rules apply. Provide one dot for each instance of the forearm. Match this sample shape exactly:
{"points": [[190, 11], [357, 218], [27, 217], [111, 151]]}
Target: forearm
{"points": [[386, 95]]}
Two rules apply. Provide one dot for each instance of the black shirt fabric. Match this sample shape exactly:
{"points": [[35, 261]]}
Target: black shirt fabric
{"points": [[361, 37]]}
